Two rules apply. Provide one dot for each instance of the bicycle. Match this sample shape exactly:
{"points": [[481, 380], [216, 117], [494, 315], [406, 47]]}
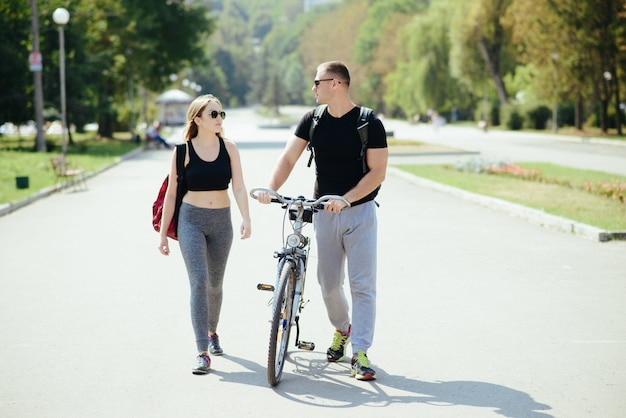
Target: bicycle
{"points": [[288, 291]]}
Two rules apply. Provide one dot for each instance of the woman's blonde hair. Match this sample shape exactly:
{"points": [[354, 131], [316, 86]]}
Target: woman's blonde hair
{"points": [[195, 109]]}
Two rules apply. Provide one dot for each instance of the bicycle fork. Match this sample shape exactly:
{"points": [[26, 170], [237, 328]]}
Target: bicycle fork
{"points": [[298, 303]]}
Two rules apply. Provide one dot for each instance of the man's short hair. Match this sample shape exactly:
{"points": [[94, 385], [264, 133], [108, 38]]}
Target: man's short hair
{"points": [[337, 69]]}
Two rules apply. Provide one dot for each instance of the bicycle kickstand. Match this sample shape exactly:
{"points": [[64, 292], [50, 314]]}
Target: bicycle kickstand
{"points": [[302, 345]]}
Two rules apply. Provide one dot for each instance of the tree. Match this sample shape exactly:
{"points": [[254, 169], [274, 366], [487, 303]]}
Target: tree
{"points": [[113, 48], [422, 79], [578, 40], [15, 79], [329, 34], [486, 31], [376, 45]]}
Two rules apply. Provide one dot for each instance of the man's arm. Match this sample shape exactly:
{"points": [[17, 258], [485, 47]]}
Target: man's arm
{"points": [[287, 160], [294, 148], [377, 162]]}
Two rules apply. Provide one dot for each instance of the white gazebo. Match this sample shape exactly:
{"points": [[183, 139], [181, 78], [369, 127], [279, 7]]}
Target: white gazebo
{"points": [[173, 107]]}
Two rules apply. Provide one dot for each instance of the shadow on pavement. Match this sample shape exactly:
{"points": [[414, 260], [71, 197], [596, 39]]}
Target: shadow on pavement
{"points": [[328, 385]]}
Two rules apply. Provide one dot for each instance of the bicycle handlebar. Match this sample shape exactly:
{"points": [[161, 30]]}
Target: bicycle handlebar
{"points": [[286, 200]]}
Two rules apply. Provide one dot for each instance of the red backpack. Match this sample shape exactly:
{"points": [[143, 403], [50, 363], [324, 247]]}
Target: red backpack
{"points": [[157, 206]]}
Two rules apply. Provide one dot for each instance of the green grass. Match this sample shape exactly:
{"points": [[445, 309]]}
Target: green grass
{"points": [[88, 153], [571, 202]]}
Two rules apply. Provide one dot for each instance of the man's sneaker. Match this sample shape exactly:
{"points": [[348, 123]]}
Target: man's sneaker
{"points": [[214, 345], [203, 364], [361, 367], [337, 349]]}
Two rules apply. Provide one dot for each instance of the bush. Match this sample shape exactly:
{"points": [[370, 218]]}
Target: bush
{"points": [[495, 114], [538, 117]]}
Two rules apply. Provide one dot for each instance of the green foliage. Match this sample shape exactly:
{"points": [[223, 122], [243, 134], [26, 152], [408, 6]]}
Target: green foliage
{"points": [[423, 80], [573, 42], [405, 56], [15, 79], [512, 117], [538, 117], [112, 47], [379, 11]]}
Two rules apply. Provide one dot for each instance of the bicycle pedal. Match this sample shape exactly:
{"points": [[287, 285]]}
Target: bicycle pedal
{"points": [[267, 287], [305, 345]]}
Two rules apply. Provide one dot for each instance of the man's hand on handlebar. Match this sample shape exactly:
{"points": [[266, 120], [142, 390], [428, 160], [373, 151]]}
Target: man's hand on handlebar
{"points": [[334, 206]]}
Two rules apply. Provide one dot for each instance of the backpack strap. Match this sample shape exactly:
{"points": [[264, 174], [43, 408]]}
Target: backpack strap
{"points": [[317, 115], [362, 128], [181, 150], [181, 153], [362, 125]]}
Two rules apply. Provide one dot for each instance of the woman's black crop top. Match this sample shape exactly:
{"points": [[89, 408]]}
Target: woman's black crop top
{"points": [[203, 176]]}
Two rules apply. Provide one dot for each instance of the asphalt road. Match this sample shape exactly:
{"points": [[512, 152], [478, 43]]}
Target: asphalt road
{"points": [[480, 314]]}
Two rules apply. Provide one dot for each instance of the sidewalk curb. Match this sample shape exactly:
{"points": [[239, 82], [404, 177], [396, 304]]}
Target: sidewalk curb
{"points": [[11, 207], [533, 216]]}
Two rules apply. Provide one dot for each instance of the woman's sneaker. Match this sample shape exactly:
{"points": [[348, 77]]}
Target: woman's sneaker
{"points": [[336, 352], [203, 364], [361, 369], [214, 345]]}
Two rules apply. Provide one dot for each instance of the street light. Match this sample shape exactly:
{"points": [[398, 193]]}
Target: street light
{"points": [[61, 16], [555, 105]]}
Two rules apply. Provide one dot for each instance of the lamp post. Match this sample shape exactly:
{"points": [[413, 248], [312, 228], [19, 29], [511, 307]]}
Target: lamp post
{"points": [[555, 105], [608, 77], [61, 16]]}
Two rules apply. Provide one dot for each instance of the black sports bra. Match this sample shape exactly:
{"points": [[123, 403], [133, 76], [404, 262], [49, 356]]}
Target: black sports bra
{"points": [[203, 175]]}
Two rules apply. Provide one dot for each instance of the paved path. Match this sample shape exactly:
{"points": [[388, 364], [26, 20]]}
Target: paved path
{"points": [[480, 314]]}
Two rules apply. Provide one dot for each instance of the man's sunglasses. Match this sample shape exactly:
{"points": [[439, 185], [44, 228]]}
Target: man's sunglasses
{"points": [[214, 114], [317, 82]]}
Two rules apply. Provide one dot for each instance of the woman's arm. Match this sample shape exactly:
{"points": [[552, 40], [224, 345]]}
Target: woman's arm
{"points": [[168, 206], [239, 189]]}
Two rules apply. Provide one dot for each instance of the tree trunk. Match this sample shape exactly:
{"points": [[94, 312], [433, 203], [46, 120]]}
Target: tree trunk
{"points": [[492, 64], [603, 116], [618, 114], [105, 125], [40, 142], [578, 110]]}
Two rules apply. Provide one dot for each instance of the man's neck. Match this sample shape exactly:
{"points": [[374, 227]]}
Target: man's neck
{"points": [[337, 109]]}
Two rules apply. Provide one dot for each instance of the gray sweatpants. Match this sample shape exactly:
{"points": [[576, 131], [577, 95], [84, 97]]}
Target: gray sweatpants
{"points": [[205, 237], [349, 235]]}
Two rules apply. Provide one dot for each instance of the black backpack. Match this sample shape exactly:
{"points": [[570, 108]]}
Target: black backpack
{"points": [[361, 127]]}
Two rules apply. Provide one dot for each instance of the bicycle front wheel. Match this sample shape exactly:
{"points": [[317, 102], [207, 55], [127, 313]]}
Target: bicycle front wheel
{"points": [[281, 323]]}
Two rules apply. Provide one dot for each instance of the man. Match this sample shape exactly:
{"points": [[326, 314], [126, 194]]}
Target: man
{"points": [[342, 233], [154, 134]]}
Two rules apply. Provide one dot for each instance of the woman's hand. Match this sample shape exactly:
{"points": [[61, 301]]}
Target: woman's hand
{"points": [[245, 230], [164, 246]]}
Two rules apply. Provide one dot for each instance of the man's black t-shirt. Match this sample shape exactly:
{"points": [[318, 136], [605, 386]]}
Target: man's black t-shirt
{"points": [[337, 147]]}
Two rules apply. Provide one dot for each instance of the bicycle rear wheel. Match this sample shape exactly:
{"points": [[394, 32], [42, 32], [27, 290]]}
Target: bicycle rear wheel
{"points": [[281, 323]]}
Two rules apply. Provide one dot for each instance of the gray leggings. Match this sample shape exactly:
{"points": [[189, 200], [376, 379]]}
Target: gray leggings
{"points": [[205, 237]]}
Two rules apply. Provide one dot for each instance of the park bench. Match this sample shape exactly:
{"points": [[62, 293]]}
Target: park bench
{"points": [[65, 174]]}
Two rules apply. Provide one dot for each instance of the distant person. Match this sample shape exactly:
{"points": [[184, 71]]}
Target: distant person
{"points": [[205, 231], [154, 134], [344, 234]]}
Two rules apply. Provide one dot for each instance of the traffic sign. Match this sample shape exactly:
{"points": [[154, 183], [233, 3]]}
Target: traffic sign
{"points": [[34, 60]]}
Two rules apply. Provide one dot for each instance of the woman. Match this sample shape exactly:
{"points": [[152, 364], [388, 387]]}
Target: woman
{"points": [[205, 231]]}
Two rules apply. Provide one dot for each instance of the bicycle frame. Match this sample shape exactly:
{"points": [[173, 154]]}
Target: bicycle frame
{"points": [[288, 290]]}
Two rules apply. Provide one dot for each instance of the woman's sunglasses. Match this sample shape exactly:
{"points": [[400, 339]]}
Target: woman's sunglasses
{"points": [[214, 114]]}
